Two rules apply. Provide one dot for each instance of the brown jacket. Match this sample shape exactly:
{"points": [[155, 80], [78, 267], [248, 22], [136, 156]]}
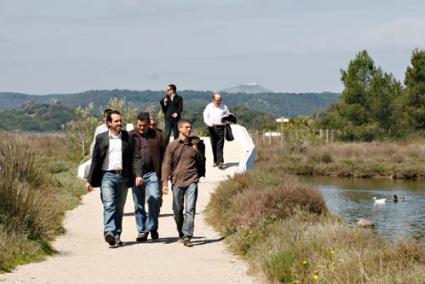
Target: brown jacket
{"points": [[156, 148], [181, 162]]}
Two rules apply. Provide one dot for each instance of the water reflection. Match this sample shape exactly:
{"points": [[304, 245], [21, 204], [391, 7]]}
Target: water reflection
{"points": [[352, 199]]}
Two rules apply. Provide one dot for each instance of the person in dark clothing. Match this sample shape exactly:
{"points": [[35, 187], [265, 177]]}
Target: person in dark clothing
{"points": [[113, 169], [172, 107], [148, 145]]}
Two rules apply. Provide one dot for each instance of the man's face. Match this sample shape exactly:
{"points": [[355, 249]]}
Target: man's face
{"points": [[185, 129], [217, 100], [152, 124], [142, 126], [169, 91], [115, 123]]}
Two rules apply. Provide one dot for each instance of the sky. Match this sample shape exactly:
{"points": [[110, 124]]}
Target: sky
{"points": [[56, 46]]}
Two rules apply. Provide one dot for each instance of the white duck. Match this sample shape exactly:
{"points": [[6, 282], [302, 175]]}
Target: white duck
{"points": [[379, 201]]}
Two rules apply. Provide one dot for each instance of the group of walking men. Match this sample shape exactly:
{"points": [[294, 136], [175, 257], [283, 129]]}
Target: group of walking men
{"points": [[144, 160]]}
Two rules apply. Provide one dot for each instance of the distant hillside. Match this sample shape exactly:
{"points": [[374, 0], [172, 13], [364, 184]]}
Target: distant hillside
{"points": [[36, 117], [51, 117], [251, 88], [276, 104]]}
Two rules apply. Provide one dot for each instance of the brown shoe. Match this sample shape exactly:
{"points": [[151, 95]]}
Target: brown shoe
{"points": [[188, 243], [215, 165], [109, 238], [221, 166]]}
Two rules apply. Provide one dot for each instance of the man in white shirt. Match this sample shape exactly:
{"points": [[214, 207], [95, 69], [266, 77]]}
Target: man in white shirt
{"points": [[113, 169], [213, 115], [100, 129]]}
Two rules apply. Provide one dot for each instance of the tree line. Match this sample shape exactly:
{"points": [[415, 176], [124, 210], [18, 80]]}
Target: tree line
{"points": [[375, 105]]}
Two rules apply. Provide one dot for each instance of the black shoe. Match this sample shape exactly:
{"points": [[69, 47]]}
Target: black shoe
{"points": [[110, 239], [188, 243], [154, 234], [118, 241], [142, 237]]}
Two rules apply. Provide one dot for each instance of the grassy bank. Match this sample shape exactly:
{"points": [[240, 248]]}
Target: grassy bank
{"points": [[37, 186], [366, 160], [285, 232]]}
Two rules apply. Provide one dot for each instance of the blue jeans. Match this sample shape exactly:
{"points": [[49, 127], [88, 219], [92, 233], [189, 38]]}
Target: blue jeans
{"points": [[113, 192], [149, 190], [184, 199], [170, 125]]}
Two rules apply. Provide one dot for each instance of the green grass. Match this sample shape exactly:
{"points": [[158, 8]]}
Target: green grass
{"points": [[283, 229], [37, 185]]}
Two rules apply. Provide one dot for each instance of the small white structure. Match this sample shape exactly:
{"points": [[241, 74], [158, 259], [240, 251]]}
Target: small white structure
{"points": [[282, 119], [242, 137], [272, 134]]}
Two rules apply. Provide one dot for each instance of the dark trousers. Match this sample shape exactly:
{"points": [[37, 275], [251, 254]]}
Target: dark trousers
{"points": [[217, 142], [170, 125]]}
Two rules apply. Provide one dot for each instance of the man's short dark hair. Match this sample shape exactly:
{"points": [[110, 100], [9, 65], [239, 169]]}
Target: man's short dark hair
{"points": [[105, 112], [173, 87], [109, 115], [144, 116], [183, 121]]}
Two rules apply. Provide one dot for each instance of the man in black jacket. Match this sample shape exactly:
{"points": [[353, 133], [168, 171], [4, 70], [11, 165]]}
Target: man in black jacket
{"points": [[172, 106], [112, 169]]}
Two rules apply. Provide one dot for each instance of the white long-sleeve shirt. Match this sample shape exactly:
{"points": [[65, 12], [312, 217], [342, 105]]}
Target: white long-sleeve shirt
{"points": [[214, 114]]}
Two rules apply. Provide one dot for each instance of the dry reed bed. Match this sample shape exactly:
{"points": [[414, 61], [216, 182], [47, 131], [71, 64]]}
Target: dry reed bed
{"points": [[377, 159], [37, 185]]}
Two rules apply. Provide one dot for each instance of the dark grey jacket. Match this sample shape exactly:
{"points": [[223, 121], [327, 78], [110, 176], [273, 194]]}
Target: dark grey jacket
{"points": [[99, 153]]}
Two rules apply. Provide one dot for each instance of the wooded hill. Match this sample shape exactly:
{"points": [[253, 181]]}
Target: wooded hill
{"points": [[275, 104]]}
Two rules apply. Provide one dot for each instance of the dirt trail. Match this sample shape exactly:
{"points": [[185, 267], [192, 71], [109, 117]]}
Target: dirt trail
{"points": [[84, 257]]}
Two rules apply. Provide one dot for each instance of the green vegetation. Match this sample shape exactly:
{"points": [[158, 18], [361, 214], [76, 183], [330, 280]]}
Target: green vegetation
{"points": [[374, 105], [37, 117], [276, 104], [54, 117], [285, 232], [37, 185]]}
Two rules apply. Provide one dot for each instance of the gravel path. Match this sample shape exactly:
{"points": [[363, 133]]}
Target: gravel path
{"points": [[84, 257]]}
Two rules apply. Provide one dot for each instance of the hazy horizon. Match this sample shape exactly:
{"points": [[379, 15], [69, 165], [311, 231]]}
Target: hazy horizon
{"points": [[296, 46]]}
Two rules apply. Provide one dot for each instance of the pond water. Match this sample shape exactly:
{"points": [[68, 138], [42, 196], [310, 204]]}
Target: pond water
{"points": [[353, 199]]}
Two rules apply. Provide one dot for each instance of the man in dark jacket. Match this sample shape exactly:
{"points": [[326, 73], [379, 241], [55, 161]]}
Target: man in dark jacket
{"points": [[149, 147], [112, 169], [172, 106]]}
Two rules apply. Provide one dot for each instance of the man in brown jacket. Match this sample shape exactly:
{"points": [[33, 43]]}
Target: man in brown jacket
{"points": [[182, 162], [149, 153]]}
